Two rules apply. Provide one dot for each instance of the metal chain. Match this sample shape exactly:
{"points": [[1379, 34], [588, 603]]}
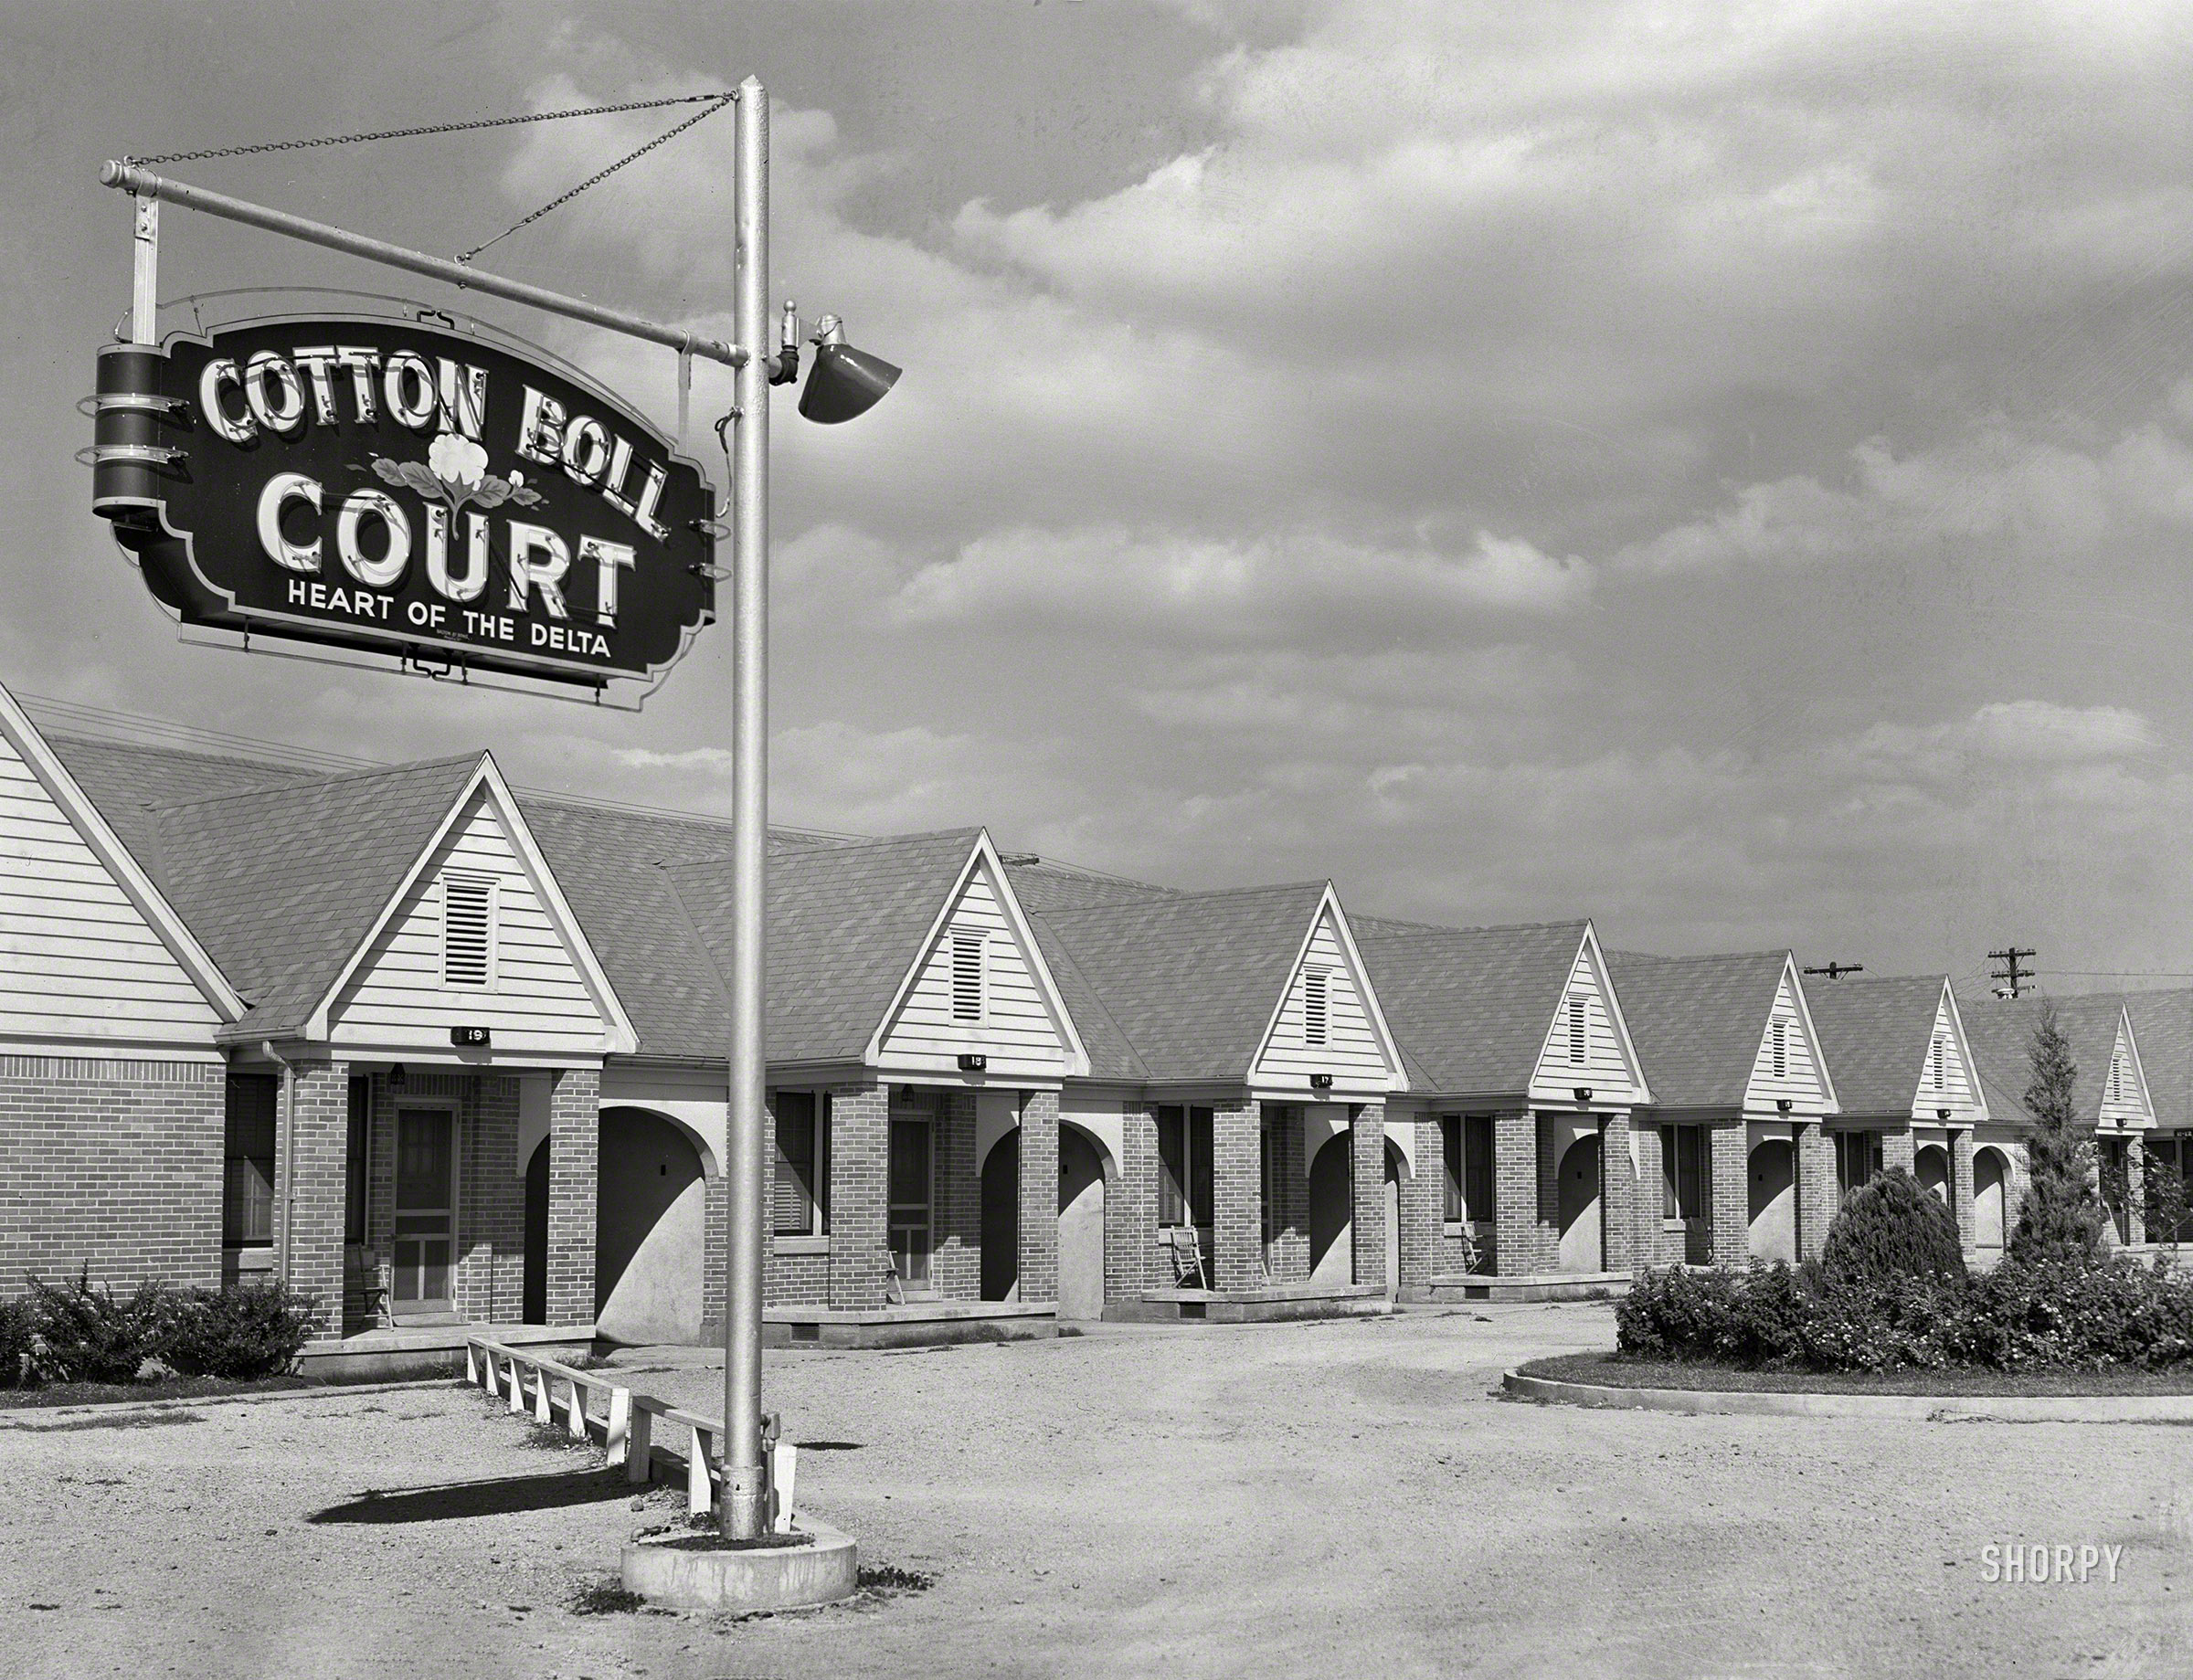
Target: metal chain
{"points": [[720, 102]]}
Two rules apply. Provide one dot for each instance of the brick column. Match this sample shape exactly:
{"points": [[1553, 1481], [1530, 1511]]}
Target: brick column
{"points": [[1237, 1235], [1960, 1190], [1515, 1193], [1038, 1257], [311, 1142], [1899, 1148], [1545, 1232], [860, 1145], [1423, 1207], [1367, 1191], [1816, 1194], [1131, 1261], [2135, 1184], [1290, 1216], [956, 1263], [574, 1187], [1651, 1246], [490, 1233], [1730, 1144], [1617, 1195]]}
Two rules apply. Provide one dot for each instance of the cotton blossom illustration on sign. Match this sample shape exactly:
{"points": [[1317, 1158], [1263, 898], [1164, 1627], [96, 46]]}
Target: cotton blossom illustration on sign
{"points": [[456, 471]]}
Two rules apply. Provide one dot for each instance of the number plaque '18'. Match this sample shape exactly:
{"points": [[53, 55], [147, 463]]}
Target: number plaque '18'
{"points": [[379, 484]]}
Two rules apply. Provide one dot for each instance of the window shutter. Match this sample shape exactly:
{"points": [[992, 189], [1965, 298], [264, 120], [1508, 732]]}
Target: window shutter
{"points": [[467, 930], [1313, 1006], [968, 975]]}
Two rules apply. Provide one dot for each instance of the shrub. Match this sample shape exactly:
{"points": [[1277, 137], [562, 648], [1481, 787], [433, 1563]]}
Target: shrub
{"points": [[86, 1332], [244, 1331], [14, 1341], [1891, 1227], [2060, 1219], [2054, 1315]]}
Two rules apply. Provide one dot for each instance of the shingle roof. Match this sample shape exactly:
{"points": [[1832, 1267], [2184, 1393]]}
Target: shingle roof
{"points": [[281, 884], [1697, 1022], [1876, 1034], [2001, 1033], [1044, 886], [1188, 980], [1471, 1006], [845, 923], [2162, 1025], [129, 783]]}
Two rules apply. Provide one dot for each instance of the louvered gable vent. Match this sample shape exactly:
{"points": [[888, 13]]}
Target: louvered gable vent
{"points": [[467, 930], [967, 975], [1579, 1027], [1313, 1006]]}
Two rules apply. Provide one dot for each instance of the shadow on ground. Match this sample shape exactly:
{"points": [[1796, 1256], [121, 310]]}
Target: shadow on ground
{"points": [[455, 1500]]}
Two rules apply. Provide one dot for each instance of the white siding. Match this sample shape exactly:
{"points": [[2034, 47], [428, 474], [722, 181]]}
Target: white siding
{"points": [[2124, 1101], [538, 1000], [1800, 1081], [1955, 1092], [1351, 1053], [1604, 1067], [77, 957], [1016, 1032]]}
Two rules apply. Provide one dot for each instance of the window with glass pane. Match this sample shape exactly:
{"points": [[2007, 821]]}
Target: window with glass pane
{"points": [[1683, 1178], [247, 1188], [1477, 1164], [1173, 1164], [355, 1161], [802, 1151], [1201, 1199]]}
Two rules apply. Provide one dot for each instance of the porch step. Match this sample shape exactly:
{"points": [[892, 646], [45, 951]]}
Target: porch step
{"points": [[915, 1324], [1531, 1286], [421, 1349], [1268, 1304]]}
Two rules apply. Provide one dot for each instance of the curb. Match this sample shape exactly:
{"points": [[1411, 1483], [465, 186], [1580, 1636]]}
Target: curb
{"points": [[1922, 1408], [20, 1417]]}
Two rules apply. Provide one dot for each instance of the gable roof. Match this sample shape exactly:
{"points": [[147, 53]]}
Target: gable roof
{"points": [[844, 924], [1877, 1032], [130, 784], [2163, 1023], [1188, 981], [1698, 1020], [1470, 1006], [2001, 1033]]}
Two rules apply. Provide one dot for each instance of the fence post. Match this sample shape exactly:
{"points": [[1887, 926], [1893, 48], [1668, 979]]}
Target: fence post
{"points": [[615, 1436], [577, 1418], [639, 1457], [488, 1379], [541, 1411], [472, 1361], [517, 1387], [700, 1493], [784, 1471]]}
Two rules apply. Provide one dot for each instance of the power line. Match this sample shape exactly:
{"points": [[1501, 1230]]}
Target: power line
{"points": [[1836, 970]]}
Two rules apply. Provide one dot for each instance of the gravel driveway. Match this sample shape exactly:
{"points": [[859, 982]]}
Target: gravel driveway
{"points": [[1325, 1498]]}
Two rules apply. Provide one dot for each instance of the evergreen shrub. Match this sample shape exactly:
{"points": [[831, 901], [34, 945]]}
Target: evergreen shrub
{"points": [[244, 1331], [1892, 1227]]}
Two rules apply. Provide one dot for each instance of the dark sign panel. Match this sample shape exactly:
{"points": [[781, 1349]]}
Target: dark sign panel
{"points": [[380, 484]]}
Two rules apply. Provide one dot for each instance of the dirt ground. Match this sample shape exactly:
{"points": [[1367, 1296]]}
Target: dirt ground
{"points": [[1312, 1500]]}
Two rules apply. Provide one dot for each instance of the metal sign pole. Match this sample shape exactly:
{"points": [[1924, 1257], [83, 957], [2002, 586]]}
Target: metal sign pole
{"points": [[743, 1513]]}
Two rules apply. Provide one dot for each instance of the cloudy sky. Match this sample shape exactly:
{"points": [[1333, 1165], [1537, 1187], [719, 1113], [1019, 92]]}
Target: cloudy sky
{"points": [[1725, 470]]}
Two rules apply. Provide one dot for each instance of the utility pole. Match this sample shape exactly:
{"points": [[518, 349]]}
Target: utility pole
{"points": [[1836, 970], [2010, 972]]}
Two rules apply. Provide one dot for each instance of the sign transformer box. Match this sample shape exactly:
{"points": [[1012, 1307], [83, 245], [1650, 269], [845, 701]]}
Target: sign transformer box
{"points": [[372, 483]]}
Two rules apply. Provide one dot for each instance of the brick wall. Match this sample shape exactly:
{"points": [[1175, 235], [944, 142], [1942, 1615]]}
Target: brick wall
{"points": [[1728, 1142], [1367, 1176], [1960, 1190], [1288, 1216], [956, 1261], [860, 1257], [2135, 1180], [1654, 1245], [111, 1165], [1898, 1149], [490, 1217], [1817, 1193], [1237, 1216], [1132, 1262], [1515, 1194], [1424, 1198], [574, 1181], [1038, 1261], [1618, 1189], [311, 1171]]}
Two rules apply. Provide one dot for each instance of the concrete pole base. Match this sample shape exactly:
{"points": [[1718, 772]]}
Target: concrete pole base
{"points": [[689, 1577]]}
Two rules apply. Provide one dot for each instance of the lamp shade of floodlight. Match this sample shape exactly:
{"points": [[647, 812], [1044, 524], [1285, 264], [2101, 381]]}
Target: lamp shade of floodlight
{"points": [[844, 383]]}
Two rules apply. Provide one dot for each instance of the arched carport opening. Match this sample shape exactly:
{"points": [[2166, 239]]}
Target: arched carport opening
{"points": [[1931, 1166], [1397, 1168], [1331, 1213], [1582, 1247], [1990, 1199], [1773, 1176], [1085, 1167], [1001, 1219], [650, 1228]]}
